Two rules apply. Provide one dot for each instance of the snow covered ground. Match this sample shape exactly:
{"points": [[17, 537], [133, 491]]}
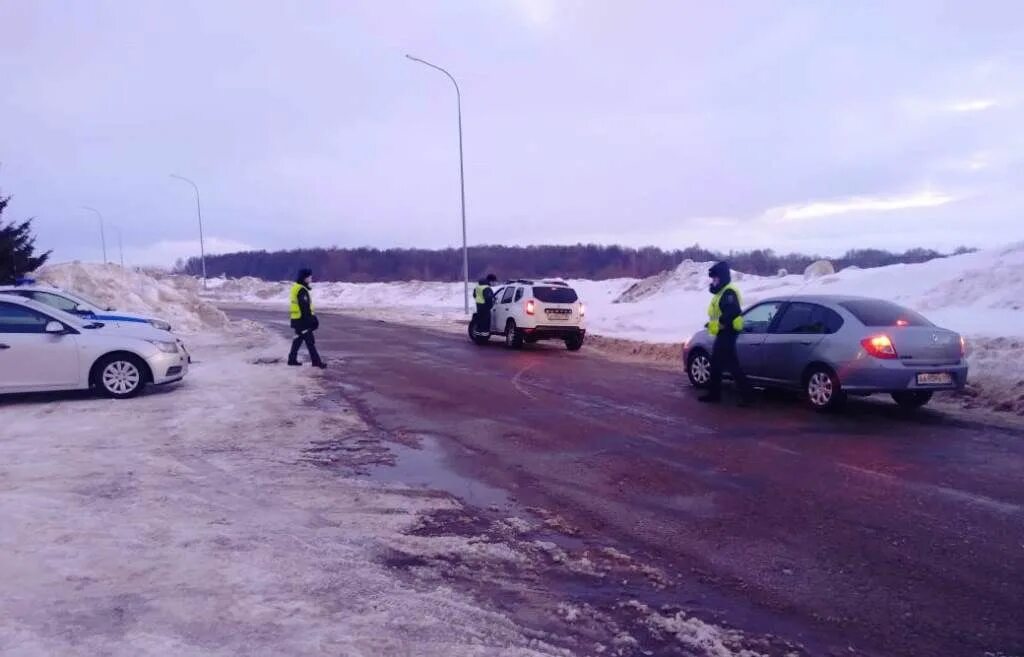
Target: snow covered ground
{"points": [[981, 295]]}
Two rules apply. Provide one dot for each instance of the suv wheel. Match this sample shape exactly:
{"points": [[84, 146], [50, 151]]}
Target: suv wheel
{"points": [[824, 392], [121, 376], [912, 399], [574, 342], [513, 336], [698, 368]]}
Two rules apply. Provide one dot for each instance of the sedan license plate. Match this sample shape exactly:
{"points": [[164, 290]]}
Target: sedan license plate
{"points": [[934, 379]]}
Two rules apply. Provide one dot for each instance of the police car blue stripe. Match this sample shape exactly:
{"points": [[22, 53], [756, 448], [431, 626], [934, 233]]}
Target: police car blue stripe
{"points": [[118, 318]]}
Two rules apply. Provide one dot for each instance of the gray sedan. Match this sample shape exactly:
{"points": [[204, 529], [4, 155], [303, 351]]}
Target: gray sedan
{"points": [[830, 347]]}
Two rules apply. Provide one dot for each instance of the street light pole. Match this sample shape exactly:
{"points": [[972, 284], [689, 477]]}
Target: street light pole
{"points": [[462, 182], [199, 214], [103, 236], [120, 246]]}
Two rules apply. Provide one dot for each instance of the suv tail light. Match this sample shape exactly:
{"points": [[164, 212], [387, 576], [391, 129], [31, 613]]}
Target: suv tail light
{"points": [[583, 310], [880, 346], [531, 307], [963, 347]]}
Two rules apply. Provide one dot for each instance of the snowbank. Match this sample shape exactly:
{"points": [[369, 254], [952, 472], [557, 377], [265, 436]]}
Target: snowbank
{"points": [[139, 292]]}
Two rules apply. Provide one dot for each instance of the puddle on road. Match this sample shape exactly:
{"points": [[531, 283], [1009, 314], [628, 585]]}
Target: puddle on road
{"points": [[425, 467]]}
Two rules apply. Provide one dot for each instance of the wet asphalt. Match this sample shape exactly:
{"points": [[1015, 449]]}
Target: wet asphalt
{"points": [[871, 532]]}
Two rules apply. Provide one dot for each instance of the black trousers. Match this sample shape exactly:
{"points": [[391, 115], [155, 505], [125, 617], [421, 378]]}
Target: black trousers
{"points": [[304, 335], [725, 358], [483, 318]]}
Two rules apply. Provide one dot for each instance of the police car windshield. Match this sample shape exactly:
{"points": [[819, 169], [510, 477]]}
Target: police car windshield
{"points": [[83, 300]]}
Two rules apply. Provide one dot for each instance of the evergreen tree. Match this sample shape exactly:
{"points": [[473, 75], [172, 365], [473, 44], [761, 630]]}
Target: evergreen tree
{"points": [[17, 248]]}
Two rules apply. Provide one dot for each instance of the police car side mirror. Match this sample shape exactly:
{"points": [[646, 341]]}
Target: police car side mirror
{"points": [[55, 328]]}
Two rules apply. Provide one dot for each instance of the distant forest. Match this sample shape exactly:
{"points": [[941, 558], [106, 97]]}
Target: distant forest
{"points": [[591, 261]]}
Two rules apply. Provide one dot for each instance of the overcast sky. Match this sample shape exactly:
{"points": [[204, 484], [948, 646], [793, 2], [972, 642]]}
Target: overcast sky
{"points": [[812, 126]]}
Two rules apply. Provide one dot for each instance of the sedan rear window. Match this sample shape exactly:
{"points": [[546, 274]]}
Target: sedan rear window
{"points": [[877, 313], [554, 294]]}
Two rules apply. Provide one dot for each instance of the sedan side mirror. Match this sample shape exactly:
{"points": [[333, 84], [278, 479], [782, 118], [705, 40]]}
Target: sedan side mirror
{"points": [[55, 328]]}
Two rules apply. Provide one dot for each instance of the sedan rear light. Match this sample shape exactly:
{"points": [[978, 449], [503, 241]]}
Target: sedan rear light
{"points": [[531, 307], [879, 346]]}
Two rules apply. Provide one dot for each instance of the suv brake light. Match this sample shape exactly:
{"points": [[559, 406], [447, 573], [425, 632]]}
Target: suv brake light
{"points": [[880, 346], [963, 347], [531, 307], [583, 310]]}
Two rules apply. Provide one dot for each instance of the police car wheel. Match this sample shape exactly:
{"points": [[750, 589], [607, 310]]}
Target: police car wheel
{"points": [[698, 368], [120, 376]]}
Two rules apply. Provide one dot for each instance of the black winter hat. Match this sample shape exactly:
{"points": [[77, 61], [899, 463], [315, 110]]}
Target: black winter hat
{"points": [[303, 275], [721, 271]]}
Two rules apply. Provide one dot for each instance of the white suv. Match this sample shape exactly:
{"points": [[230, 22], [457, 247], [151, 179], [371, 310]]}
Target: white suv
{"points": [[529, 311]]}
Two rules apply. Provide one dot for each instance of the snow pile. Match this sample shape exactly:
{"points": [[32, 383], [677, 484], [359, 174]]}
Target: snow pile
{"points": [[819, 268], [112, 286]]}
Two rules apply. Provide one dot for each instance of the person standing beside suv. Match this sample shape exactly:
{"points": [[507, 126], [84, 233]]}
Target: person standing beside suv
{"points": [[483, 295], [303, 319]]}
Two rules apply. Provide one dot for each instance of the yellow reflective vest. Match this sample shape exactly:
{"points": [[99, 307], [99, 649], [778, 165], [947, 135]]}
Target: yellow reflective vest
{"points": [[293, 298], [478, 294], [715, 311]]}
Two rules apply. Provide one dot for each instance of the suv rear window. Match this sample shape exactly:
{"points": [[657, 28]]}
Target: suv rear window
{"points": [[876, 313], [554, 294]]}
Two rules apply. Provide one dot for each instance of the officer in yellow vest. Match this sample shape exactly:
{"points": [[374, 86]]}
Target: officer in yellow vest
{"points": [[303, 319], [483, 295], [725, 324]]}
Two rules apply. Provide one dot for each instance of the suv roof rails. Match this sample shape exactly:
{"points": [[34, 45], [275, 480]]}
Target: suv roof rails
{"points": [[555, 281]]}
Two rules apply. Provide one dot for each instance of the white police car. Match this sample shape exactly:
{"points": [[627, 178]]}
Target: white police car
{"points": [[44, 349], [75, 304]]}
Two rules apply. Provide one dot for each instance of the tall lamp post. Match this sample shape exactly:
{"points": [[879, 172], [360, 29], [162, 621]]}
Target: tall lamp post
{"points": [[120, 246], [103, 236], [462, 181], [199, 215]]}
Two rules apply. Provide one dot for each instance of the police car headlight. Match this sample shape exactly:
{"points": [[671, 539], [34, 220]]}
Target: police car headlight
{"points": [[166, 347], [160, 324]]}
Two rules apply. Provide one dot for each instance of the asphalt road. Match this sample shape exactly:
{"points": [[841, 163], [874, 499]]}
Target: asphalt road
{"points": [[872, 530]]}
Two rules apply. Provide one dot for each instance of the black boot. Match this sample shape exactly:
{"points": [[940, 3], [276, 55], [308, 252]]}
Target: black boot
{"points": [[294, 363]]}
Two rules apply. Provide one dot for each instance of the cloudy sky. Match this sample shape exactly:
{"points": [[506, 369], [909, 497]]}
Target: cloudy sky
{"points": [[806, 126]]}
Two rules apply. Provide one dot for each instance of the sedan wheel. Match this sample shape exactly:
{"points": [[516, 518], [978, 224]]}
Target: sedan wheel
{"points": [[699, 369], [823, 390]]}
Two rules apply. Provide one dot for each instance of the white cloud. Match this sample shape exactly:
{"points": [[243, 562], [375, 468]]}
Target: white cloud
{"points": [[819, 209], [166, 253], [539, 13], [972, 105]]}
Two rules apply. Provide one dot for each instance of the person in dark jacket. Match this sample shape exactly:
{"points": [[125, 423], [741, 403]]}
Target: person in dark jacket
{"points": [[725, 323], [483, 295], [303, 319]]}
